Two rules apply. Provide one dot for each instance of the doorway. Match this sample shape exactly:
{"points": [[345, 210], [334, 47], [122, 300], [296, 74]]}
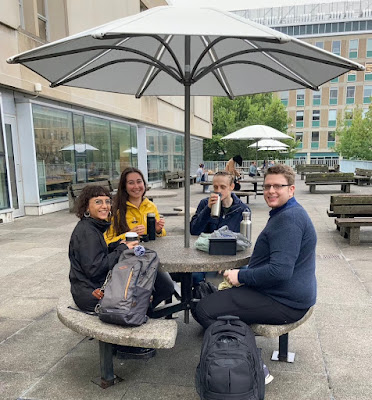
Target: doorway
{"points": [[14, 165]]}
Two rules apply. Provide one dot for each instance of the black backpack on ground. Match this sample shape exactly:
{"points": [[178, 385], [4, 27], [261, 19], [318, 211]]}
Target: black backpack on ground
{"points": [[128, 289], [230, 364]]}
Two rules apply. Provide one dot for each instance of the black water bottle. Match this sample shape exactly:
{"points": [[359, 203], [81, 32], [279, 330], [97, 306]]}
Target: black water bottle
{"points": [[151, 226]]}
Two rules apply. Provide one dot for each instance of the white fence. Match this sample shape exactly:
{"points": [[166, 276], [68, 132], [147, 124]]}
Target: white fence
{"points": [[220, 165]]}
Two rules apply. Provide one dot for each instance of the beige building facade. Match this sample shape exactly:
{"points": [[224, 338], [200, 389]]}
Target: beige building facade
{"points": [[343, 28], [41, 127]]}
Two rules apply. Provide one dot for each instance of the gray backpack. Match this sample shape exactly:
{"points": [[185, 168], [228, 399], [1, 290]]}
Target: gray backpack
{"points": [[128, 289]]}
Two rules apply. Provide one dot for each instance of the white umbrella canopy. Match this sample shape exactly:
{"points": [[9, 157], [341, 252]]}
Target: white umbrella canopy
{"points": [[134, 150], [272, 148], [268, 143], [256, 132], [79, 147], [186, 52]]}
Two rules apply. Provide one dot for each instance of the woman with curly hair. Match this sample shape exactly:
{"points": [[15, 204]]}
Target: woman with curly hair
{"points": [[89, 256]]}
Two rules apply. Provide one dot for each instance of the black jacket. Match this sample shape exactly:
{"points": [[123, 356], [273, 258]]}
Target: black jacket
{"points": [[90, 260]]}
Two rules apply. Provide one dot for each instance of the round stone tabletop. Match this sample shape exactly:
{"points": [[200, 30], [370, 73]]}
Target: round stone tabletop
{"points": [[174, 257]]}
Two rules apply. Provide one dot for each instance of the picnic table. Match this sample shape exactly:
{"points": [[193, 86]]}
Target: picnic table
{"points": [[174, 257], [330, 178], [160, 194]]}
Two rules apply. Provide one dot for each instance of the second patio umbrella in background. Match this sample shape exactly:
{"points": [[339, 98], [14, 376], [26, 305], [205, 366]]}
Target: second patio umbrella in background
{"points": [[184, 52]]}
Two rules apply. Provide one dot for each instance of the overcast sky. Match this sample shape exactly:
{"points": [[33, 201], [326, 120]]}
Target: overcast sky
{"points": [[243, 4]]}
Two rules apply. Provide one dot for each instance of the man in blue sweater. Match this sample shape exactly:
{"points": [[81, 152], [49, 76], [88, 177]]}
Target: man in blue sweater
{"points": [[279, 284]]}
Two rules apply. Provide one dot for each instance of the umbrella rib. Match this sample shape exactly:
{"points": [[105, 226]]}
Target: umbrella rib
{"points": [[159, 39], [84, 65], [206, 70], [216, 41], [272, 58], [304, 84], [218, 73], [160, 66], [152, 73]]}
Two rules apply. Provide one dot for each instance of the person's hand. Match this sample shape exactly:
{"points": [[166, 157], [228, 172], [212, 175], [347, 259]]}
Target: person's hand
{"points": [[231, 276], [159, 224], [212, 199], [131, 244], [139, 229]]}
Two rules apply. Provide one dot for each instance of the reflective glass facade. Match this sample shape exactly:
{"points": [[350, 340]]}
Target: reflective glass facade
{"points": [[74, 147]]}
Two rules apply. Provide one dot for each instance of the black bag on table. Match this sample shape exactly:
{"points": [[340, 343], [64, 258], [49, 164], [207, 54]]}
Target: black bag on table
{"points": [[128, 289], [230, 364]]}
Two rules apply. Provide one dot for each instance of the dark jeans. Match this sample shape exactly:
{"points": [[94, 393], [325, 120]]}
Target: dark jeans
{"points": [[248, 304]]}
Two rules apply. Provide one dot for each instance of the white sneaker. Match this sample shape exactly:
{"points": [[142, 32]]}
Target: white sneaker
{"points": [[268, 377]]}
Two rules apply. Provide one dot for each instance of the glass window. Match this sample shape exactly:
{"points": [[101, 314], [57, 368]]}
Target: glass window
{"points": [[369, 48], [316, 118], [348, 27], [314, 140], [332, 117], [301, 97], [4, 189], [320, 45], [333, 95], [321, 28], [317, 97], [327, 28], [42, 19], [72, 147], [351, 77], [335, 80], [302, 29], [299, 138], [331, 139], [336, 47], [368, 72], [284, 97], [309, 29], [353, 48], [367, 94], [165, 153], [299, 119], [350, 94]]}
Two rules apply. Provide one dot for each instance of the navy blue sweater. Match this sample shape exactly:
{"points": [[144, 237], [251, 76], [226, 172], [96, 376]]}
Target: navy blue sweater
{"points": [[203, 222], [282, 265]]}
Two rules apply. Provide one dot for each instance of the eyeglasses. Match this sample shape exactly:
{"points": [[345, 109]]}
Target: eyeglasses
{"points": [[275, 187], [99, 202]]}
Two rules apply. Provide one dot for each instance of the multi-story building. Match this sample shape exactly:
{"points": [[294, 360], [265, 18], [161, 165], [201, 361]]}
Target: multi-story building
{"points": [[50, 137], [343, 28]]}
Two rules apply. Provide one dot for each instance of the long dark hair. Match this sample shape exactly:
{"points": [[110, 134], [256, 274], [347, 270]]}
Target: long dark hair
{"points": [[119, 208]]}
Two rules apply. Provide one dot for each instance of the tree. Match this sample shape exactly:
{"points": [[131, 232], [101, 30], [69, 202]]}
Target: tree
{"points": [[355, 134], [231, 115]]}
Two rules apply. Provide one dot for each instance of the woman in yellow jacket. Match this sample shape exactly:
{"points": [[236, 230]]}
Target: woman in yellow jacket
{"points": [[130, 202], [130, 209]]}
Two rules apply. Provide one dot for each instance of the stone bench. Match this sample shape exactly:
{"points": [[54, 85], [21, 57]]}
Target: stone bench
{"points": [[156, 333], [271, 331], [333, 178], [350, 228], [206, 186]]}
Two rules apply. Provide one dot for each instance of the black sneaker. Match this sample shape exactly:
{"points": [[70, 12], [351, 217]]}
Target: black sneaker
{"points": [[134, 353]]}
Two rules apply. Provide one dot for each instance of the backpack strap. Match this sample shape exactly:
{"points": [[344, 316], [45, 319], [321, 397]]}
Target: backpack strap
{"points": [[228, 326]]}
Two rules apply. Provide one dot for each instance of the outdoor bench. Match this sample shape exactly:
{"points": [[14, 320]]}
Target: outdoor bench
{"points": [[244, 193], [174, 180], [74, 189], [205, 186], [351, 228], [271, 331], [334, 178], [303, 169], [363, 176], [156, 333], [349, 206]]}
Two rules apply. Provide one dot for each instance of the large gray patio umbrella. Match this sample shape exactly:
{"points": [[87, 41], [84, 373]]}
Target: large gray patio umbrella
{"points": [[184, 52]]}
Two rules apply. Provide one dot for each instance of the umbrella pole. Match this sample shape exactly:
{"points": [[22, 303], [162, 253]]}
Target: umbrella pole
{"points": [[256, 159], [187, 141]]}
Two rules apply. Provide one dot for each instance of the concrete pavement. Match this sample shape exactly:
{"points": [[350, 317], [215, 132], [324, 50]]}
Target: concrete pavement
{"points": [[43, 360]]}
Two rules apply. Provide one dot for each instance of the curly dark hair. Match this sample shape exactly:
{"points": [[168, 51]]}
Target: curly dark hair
{"points": [[86, 194], [119, 208]]}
